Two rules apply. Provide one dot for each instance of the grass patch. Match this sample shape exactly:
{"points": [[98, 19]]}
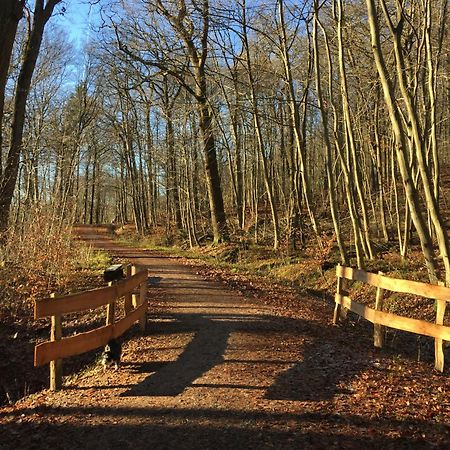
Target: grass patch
{"points": [[91, 259], [150, 242]]}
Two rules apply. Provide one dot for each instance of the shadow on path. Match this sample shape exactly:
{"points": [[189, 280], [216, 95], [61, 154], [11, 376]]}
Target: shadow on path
{"points": [[324, 367], [196, 428]]}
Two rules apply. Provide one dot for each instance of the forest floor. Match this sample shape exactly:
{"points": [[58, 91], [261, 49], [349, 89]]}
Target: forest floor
{"points": [[235, 362]]}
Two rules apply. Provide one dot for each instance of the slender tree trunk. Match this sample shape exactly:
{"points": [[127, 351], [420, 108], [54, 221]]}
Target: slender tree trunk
{"points": [[346, 173], [173, 190], [381, 194], [234, 163], [9, 176], [295, 119], [431, 201], [401, 146], [329, 160], [258, 130], [353, 160], [11, 11], [94, 182]]}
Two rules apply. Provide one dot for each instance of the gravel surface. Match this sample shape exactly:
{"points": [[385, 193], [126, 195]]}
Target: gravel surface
{"points": [[237, 366]]}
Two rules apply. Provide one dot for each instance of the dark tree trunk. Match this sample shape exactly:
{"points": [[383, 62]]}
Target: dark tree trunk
{"points": [[218, 218], [11, 12], [9, 176], [172, 171]]}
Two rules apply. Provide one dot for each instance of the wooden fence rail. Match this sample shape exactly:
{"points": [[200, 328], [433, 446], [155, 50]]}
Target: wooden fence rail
{"points": [[57, 348], [380, 319]]}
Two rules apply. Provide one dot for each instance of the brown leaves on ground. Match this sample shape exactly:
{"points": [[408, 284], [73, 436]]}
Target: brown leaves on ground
{"points": [[236, 362]]}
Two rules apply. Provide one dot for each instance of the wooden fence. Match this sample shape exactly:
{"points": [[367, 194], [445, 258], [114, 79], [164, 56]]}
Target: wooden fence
{"points": [[57, 348], [380, 318]]}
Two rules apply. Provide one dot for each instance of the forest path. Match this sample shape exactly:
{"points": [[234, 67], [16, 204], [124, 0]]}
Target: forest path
{"points": [[218, 370]]}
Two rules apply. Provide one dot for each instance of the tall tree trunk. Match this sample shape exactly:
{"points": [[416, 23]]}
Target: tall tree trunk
{"points": [[299, 136], [173, 190], [93, 186], [354, 175], [329, 160], [11, 12], [345, 170], [258, 130], [378, 162], [401, 145], [418, 141], [9, 176], [218, 218]]}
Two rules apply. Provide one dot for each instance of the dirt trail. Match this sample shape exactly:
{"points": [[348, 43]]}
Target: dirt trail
{"points": [[216, 370]]}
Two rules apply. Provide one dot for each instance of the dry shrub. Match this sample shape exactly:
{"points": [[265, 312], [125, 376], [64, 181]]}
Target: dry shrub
{"points": [[37, 258]]}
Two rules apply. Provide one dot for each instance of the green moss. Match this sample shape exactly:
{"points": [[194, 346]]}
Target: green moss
{"points": [[290, 272], [91, 259]]}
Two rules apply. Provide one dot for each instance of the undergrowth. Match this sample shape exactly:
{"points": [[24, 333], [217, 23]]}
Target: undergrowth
{"points": [[42, 257], [311, 269]]}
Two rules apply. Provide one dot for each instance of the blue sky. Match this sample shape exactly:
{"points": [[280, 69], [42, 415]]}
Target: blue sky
{"points": [[76, 20]]}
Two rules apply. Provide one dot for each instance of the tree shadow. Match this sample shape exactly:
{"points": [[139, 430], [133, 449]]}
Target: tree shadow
{"points": [[325, 365], [198, 428], [203, 352]]}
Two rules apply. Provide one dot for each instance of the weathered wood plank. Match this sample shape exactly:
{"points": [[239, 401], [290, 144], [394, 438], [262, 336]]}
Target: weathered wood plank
{"points": [[128, 285], [357, 275], [89, 299], [143, 304], [56, 365], [128, 306], [416, 288], [394, 321], [73, 345], [338, 313], [74, 302], [123, 324], [110, 310], [395, 284], [378, 330], [439, 343]]}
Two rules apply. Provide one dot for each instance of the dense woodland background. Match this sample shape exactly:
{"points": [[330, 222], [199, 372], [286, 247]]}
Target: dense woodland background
{"points": [[295, 124]]}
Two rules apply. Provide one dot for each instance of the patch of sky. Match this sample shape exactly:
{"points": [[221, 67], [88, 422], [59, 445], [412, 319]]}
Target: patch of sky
{"points": [[77, 19]]}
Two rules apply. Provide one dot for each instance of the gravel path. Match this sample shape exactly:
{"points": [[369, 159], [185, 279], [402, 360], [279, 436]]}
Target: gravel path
{"points": [[217, 370]]}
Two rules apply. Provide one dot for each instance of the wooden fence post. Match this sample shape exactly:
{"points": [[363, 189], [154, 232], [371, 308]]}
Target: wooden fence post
{"points": [[110, 309], [143, 301], [439, 343], [378, 330], [339, 313], [128, 305], [55, 366], [133, 296]]}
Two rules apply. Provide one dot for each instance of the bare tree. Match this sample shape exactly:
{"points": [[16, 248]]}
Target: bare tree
{"points": [[10, 14], [42, 13], [401, 144], [190, 23]]}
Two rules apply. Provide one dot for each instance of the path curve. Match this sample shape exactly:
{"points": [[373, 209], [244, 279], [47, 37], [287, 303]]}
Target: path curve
{"points": [[214, 370]]}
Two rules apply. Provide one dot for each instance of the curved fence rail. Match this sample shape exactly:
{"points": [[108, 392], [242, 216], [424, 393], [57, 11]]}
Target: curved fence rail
{"points": [[133, 288], [381, 319]]}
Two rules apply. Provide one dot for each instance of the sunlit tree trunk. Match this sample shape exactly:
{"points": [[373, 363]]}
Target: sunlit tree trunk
{"points": [[11, 12], [295, 118], [328, 146], [401, 145], [431, 201], [258, 130]]}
